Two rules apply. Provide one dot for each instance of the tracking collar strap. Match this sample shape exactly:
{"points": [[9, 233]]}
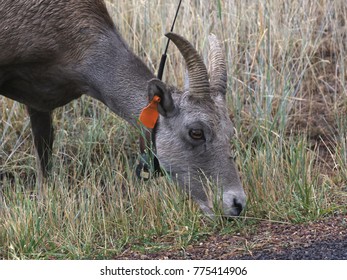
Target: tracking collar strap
{"points": [[149, 117], [148, 163]]}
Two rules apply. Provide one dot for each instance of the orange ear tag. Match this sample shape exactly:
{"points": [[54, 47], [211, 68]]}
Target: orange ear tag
{"points": [[149, 114]]}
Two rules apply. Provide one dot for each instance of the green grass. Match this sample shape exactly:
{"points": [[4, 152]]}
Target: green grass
{"points": [[287, 77]]}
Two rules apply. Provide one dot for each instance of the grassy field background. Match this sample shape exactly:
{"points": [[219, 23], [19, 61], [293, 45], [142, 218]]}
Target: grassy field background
{"points": [[287, 73]]}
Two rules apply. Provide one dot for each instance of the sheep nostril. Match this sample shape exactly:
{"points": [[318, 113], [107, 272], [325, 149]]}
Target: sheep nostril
{"points": [[238, 207]]}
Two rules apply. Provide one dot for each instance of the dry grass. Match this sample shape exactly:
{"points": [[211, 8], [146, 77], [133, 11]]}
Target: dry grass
{"points": [[286, 63]]}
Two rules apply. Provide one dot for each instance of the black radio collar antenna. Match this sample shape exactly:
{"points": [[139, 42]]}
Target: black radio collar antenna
{"points": [[163, 57]]}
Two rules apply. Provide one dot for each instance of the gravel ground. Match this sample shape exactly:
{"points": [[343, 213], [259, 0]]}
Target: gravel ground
{"points": [[324, 240]]}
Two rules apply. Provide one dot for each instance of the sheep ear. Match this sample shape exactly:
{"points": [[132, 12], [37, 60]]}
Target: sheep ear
{"points": [[166, 106]]}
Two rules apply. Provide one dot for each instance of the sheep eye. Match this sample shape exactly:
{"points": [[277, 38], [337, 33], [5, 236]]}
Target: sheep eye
{"points": [[196, 134]]}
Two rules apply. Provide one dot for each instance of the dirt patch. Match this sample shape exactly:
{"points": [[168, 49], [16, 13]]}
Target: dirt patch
{"points": [[326, 238]]}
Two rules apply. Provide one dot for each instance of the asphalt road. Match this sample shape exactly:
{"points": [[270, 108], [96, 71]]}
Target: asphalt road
{"points": [[323, 250]]}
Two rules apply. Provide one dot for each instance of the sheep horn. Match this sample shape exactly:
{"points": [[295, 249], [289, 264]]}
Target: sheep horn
{"points": [[217, 68], [199, 86]]}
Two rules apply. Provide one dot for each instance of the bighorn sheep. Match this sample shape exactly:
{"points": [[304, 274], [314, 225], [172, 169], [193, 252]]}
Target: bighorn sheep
{"points": [[53, 51]]}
